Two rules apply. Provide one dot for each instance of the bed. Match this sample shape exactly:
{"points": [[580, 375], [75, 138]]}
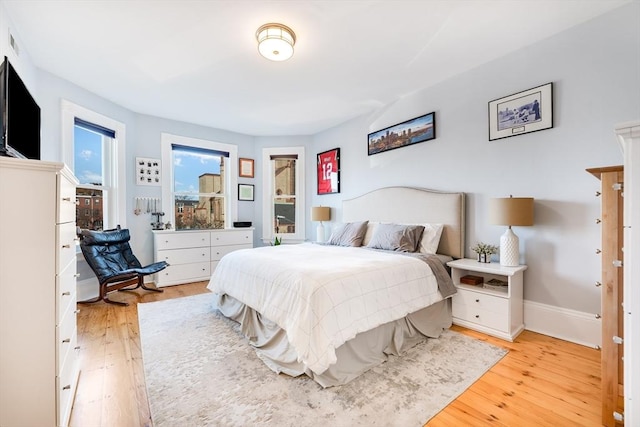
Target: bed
{"points": [[333, 311]]}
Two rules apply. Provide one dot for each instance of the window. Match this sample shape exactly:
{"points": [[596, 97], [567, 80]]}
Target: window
{"points": [[199, 189], [93, 148], [283, 200]]}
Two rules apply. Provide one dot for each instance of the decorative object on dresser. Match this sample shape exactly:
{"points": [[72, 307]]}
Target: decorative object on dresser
{"points": [[611, 282], [193, 255], [39, 352], [245, 168], [494, 310], [233, 387], [511, 211], [409, 132], [320, 213], [470, 279], [328, 163], [109, 255], [523, 112]]}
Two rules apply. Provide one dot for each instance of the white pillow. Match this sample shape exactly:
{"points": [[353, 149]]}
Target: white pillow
{"points": [[428, 243]]}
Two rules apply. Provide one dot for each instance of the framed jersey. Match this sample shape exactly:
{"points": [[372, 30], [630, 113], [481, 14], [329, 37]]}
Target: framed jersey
{"points": [[329, 171]]}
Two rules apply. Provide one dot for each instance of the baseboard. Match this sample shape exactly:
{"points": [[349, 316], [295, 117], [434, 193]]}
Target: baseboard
{"points": [[562, 323], [87, 289]]}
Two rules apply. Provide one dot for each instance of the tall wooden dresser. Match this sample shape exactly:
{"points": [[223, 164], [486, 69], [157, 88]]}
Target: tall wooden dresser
{"points": [[39, 365], [611, 221]]}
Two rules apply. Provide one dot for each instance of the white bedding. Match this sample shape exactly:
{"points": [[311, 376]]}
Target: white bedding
{"points": [[322, 296]]}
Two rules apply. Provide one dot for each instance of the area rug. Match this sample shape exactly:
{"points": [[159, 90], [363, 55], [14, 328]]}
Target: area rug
{"points": [[200, 371]]}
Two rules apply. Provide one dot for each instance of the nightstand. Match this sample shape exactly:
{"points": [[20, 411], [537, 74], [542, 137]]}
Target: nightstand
{"points": [[497, 312]]}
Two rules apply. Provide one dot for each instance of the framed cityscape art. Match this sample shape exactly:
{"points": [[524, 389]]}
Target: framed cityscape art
{"points": [[328, 164]]}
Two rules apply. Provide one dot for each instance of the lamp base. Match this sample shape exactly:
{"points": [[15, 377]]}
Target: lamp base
{"points": [[320, 233], [509, 249]]}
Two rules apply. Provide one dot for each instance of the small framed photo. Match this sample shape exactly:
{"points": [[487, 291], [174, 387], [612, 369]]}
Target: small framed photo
{"points": [[245, 192], [245, 168], [522, 112], [329, 171], [409, 132]]}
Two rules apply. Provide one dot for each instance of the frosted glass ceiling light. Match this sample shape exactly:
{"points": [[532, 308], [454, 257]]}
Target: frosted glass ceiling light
{"points": [[275, 41]]}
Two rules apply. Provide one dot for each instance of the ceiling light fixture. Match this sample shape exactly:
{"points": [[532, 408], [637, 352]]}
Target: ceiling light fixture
{"points": [[275, 41]]}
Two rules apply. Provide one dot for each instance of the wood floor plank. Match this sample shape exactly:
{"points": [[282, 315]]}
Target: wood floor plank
{"points": [[541, 381]]}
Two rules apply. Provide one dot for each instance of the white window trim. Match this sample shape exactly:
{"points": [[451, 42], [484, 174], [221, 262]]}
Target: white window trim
{"points": [[231, 184], [116, 210], [267, 194]]}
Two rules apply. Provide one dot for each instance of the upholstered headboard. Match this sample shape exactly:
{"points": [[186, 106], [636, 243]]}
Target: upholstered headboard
{"points": [[409, 205]]}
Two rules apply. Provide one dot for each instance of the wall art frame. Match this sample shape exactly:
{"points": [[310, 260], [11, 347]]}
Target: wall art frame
{"points": [[245, 192], [148, 171], [328, 171], [245, 168], [521, 113], [409, 132]]}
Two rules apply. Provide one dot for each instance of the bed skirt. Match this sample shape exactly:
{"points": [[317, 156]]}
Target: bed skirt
{"points": [[354, 357]]}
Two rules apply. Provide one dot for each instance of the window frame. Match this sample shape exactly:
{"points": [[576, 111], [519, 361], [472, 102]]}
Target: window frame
{"points": [[231, 180], [268, 234], [115, 213]]}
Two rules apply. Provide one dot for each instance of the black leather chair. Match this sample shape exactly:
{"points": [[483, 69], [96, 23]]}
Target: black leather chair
{"points": [[110, 257]]}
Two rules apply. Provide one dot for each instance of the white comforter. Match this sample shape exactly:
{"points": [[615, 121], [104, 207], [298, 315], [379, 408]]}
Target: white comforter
{"points": [[322, 296]]}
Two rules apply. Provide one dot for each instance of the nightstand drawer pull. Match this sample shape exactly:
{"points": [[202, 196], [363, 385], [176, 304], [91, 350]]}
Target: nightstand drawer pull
{"points": [[67, 340], [67, 387], [477, 300], [65, 294], [477, 316]]}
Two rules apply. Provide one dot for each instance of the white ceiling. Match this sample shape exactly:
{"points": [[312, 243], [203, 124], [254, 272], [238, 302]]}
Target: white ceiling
{"points": [[197, 61]]}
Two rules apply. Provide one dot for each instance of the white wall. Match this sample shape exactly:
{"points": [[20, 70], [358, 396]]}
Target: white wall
{"points": [[596, 74]]}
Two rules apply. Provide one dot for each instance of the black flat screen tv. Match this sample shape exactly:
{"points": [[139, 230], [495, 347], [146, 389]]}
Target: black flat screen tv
{"points": [[19, 116]]}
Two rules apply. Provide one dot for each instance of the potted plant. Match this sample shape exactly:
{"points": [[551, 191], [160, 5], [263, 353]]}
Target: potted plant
{"points": [[484, 251]]}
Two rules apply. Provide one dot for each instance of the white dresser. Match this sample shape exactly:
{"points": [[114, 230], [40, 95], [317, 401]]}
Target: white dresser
{"points": [[193, 255], [39, 365]]}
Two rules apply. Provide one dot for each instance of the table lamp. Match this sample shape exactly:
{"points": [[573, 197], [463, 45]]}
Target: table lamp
{"points": [[320, 213], [511, 211]]}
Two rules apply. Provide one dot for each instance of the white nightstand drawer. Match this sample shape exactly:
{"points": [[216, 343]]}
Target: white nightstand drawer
{"points": [[65, 290], [179, 240], [481, 301], [232, 237], [489, 319], [184, 256], [67, 244]]}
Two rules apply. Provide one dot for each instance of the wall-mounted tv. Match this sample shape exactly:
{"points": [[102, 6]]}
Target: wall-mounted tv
{"points": [[19, 116]]}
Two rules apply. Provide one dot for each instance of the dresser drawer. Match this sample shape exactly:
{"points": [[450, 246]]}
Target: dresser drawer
{"points": [[182, 240], [66, 241], [66, 382], [66, 200], [184, 273], [217, 252], [221, 238], [482, 301], [65, 290], [184, 256], [66, 336]]}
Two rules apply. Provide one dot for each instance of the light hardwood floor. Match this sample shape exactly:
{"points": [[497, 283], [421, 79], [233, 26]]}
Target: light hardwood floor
{"points": [[542, 381]]}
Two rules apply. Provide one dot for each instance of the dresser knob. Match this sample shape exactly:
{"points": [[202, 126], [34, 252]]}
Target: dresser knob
{"points": [[77, 311], [66, 199], [598, 316], [76, 275], [66, 246], [68, 340], [477, 300], [76, 347], [598, 251], [65, 294], [598, 194], [67, 387], [477, 316], [598, 284], [598, 221]]}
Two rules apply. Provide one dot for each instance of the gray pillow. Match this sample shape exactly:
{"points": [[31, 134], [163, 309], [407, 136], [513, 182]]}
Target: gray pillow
{"points": [[348, 234], [396, 237]]}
